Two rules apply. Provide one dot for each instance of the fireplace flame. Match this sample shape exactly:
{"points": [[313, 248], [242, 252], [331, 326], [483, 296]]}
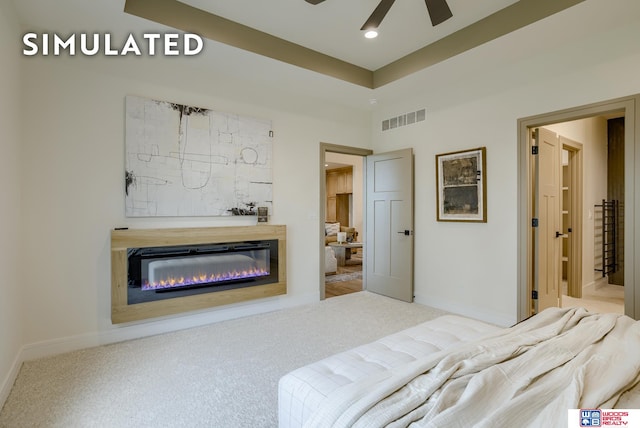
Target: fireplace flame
{"points": [[204, 278]]}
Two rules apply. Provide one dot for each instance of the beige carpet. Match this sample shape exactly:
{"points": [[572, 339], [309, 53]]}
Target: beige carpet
{"points": [[222, 375]]}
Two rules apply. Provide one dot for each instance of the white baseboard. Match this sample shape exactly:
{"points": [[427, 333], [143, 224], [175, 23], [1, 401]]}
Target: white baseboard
{"points": [[502, 320], [8, 381]]}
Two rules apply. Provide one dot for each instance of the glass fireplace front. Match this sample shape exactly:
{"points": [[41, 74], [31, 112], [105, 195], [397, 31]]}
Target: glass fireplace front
{"points": [[156, 273]]}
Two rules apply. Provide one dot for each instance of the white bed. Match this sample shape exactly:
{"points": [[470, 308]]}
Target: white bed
{"points": [[302, 391], [454, 371]]}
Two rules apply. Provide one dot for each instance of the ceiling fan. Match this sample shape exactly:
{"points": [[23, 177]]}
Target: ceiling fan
{"points": [[438, 12]]}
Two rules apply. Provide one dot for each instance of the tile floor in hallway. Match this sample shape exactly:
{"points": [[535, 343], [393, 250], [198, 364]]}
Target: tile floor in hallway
{"points": [[601, 297]]}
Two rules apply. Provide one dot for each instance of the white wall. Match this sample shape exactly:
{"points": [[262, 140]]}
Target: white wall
{"points": [[10, 219], [475, 99], [73, 184], [592, 134]]}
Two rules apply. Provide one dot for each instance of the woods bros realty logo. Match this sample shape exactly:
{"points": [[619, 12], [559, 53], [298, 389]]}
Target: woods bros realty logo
{"points": [[604, 418], [149, 44]]}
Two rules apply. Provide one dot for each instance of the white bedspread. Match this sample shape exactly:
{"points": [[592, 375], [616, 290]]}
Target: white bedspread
{"points": [[528, 375]]}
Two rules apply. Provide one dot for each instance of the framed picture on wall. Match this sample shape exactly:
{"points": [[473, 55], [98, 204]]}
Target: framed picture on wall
{"points": [[461, 186]]}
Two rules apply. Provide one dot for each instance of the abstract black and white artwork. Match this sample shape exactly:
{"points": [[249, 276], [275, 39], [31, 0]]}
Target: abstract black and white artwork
{"points": [[461, 186], [191, 161]]}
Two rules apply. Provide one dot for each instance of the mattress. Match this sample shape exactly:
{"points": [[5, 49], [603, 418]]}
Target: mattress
{"points": [[301, 392]]}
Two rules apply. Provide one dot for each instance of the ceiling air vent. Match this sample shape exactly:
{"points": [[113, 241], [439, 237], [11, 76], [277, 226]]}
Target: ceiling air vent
{"points": [[404, 119]]}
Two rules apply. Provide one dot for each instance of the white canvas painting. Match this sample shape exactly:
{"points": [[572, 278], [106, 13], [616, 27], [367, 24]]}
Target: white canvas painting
{"points": [[190, 161]]}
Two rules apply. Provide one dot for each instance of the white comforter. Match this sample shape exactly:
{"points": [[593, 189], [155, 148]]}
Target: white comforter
{"points": [[527, 375]]}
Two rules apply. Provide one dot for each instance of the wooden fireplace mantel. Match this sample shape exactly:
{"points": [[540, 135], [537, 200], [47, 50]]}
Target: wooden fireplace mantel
{"points": [[122, 239]]}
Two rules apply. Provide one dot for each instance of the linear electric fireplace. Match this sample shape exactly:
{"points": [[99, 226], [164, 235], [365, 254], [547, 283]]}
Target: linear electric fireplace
{"points": [[164, 271], [159, 273]]}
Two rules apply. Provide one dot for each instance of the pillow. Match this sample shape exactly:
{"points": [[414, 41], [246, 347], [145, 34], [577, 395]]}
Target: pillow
{"points": [[331, 228]]}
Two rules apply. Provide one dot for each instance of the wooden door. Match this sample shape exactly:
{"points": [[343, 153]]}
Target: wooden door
{"points": [[549, 232], [572, 220], [389, 228]]}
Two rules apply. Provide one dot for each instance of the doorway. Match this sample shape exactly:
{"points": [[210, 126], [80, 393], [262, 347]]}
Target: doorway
{"points": [[388, 221], [530, 251], [558, 190], [336, 154], [344, 177]]}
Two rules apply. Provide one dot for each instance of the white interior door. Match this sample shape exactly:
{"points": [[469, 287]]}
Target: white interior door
{"points": [[549, 234], [389, 227]]}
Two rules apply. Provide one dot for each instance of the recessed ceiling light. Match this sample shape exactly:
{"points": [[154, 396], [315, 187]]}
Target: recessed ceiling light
{"points": [[371, 34]]}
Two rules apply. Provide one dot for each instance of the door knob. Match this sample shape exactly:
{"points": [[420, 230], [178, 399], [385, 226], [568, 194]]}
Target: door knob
{"points": [[406, 232]]}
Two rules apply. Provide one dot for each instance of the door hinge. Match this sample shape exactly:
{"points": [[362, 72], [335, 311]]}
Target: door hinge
{"points": [[534, 294], [534, 222], [534, 150]]}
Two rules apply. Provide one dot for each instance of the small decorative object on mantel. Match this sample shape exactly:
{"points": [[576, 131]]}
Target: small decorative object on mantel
{"points": [[461, 186], [263, 214], [249, 210]]}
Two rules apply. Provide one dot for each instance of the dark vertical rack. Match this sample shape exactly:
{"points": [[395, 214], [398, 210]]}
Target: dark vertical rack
{"points": [[610, 210]]}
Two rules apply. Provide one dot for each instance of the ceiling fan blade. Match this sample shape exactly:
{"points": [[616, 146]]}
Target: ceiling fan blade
{"points": [[314, 1], [378, 14], [438, 11]]}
